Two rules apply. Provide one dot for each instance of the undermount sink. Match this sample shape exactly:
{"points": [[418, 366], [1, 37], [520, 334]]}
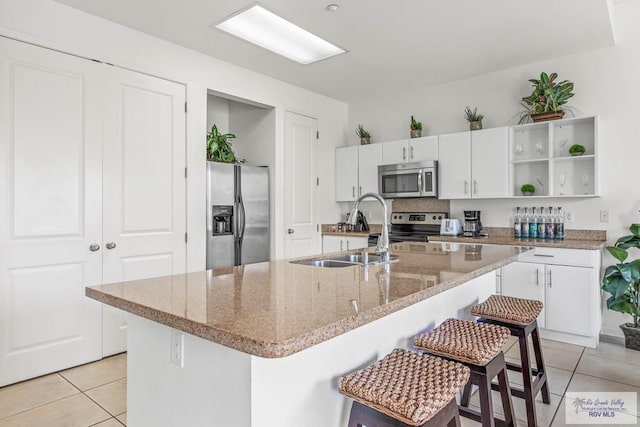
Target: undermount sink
{"points": [[326, 263], [342, 261]]}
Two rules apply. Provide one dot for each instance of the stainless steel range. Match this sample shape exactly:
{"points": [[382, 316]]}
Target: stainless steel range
{"points": [[412, 227]]}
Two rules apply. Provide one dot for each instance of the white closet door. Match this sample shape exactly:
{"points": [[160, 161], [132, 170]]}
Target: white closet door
{"points": [[144, 185], [50, 210]]}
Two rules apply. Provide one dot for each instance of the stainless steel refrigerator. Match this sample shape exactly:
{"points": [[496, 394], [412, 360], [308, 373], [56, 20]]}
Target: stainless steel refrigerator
{"points": [[237, 214]]}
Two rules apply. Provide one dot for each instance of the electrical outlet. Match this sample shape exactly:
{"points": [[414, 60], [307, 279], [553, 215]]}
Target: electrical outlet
{"points": [[604, 216], [177, 348], [568, 216]]}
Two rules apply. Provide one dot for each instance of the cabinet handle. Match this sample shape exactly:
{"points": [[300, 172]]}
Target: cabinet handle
{"points": [[544, 255], [550, 281], [404, 153], [466, 186], [360, 191], [353, 191], [412, 152], [340, 245], [347, 245], [94, 247], [475, 187], [110, 245], [537, 277]]}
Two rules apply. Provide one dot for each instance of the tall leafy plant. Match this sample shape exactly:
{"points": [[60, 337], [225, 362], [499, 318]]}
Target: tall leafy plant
{"points": [[219, 146], [548, 95], [622, 280]]}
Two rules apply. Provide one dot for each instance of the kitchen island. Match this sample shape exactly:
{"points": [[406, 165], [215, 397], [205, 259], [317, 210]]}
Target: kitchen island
{"points": [[263, 345]]}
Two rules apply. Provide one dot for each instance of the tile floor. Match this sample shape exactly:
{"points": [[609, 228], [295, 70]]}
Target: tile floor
{"points": [[89, 395], [95, 394]]}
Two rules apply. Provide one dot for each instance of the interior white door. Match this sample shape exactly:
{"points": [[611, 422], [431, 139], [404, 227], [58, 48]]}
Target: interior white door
{"points": [[144, 185], [50, 205], [301, 190]]}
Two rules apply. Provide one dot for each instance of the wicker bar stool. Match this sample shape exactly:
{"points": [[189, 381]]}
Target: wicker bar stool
{"points": [[519, 315], [478, 346], [405, 389]]}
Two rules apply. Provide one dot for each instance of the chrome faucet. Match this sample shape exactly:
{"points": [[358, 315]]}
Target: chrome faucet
{"points": [[382, 248]]}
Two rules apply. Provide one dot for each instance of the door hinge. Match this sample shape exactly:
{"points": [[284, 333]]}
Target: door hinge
{"points": [[185, 172], [318, 181], [186, 238], [317, 227], [317, 134], [185, 107]]}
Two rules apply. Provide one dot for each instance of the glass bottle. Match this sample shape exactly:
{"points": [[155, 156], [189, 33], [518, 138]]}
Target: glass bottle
{"points": [[560, 224], [551, 225], [525, 224], [542, 225], [517, 224], [533, 225]]}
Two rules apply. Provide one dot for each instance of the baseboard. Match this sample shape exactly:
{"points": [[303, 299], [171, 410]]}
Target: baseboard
{"points": [[612, 339]]}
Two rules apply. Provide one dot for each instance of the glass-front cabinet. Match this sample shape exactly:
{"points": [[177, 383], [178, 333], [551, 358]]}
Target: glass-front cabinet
{"points": [[540, 154]]}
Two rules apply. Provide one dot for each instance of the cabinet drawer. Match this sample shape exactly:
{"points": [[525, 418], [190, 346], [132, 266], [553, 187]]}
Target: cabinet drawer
{"points": [[557, 256]]}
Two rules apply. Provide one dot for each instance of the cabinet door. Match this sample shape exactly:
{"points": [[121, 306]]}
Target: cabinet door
{"points": [[357, 243], [332, 244], [394, 152], [525, 280], [50, 210], [490, 163], [143, 213], [346, 174], [569, 304], [369, 158], [454, 165], [422, 149]]}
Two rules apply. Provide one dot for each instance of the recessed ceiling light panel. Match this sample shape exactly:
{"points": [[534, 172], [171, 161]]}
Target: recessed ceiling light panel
{"points": [[267, 30]]}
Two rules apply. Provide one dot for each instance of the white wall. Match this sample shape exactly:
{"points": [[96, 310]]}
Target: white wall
{"points": [[53, 25], [607, 83]]}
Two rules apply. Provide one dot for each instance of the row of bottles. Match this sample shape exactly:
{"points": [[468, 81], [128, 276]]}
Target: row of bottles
{"points": [[538, 226]]}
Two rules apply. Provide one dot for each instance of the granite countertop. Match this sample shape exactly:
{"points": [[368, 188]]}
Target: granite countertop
{"points": [[575, 239], [274, 309]]}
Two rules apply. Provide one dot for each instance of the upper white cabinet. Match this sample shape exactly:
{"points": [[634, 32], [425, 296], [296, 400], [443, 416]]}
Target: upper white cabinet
{"points": [[539, 155], [410, 150], [474, 164], [454, 165], [357, 171]]}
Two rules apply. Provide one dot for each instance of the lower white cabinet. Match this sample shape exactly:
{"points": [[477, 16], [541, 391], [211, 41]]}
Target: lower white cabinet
{"points": [[343, 243], [567, 283]]}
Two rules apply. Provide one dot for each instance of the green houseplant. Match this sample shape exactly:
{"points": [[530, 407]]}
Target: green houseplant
{"points": [[547, 98], [219, 146], [473, 117], [622, 281], [528, 189], [416, 128], [577, 150], [365, 136]]}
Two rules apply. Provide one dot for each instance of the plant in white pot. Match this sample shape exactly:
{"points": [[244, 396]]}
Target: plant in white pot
{"points": [[622, 281]]}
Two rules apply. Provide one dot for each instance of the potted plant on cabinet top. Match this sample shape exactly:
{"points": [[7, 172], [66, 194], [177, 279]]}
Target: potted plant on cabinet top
{"points": [[416, 128], [365, 136], [547, 99], [474, 119], [577, 150], [219, 146], [622, 281], [527, 189]]}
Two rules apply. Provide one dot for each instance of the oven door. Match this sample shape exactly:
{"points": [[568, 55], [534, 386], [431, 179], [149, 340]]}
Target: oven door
{"points": [[394, 183]]}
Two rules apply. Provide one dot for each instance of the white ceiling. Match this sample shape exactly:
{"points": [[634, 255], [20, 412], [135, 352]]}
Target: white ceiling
{"points": [[392, 45]]}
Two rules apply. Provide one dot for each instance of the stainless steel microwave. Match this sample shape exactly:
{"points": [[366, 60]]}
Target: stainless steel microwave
{"points": [[408, 180]]}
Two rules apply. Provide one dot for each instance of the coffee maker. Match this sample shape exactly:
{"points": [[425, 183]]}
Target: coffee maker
{"points": [[472, 225]]}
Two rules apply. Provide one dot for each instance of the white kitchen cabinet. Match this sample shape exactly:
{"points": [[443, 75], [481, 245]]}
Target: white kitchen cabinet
{"points": [[357, 171], [474, 164], [567, 282], [454, 165], [80, 211], [343, 243], [539, 155], [369, 157], [346, 174], [410, 150]]}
